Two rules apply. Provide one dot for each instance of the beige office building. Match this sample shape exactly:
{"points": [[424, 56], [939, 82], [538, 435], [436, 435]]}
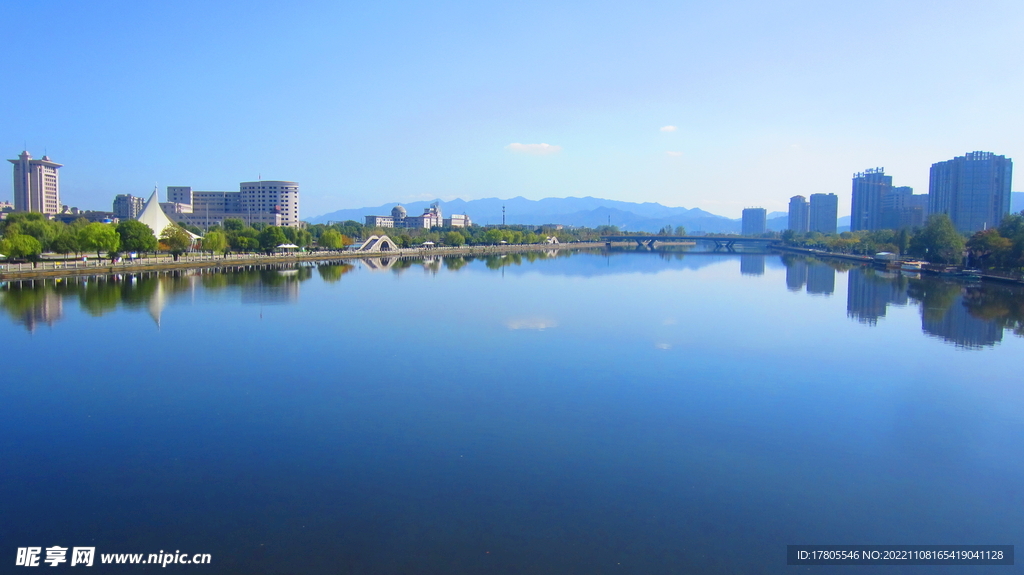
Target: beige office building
{"points": [[269, 202], [36, 185]]}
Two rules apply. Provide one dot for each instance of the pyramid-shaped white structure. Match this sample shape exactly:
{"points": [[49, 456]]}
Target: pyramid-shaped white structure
{"points": [[153, 216]]}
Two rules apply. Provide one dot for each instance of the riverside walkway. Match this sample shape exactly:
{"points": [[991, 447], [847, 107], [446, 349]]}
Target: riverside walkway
{"points": [[63, 268]]}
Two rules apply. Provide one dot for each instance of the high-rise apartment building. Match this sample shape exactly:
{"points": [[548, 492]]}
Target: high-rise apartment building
{"points": [[973, 190], [36, 185], [824, 213], [799, 214], [269, 202], [127, 206], [869, 187], [755, 221], [902, 208]]}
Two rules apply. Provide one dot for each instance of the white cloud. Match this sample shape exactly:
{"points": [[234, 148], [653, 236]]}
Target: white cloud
{"points": [[674, 154], [534, 149], [663, 345], [669, 128], [537, 323]]}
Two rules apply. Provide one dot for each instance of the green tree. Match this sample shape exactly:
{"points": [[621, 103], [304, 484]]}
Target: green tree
{"points": [[245, 244], [989, 249], [234, 224], [454, 239], [938, 241], [331, 239], [302, 237], [492, 236], [680, 231], [66, 243], [270, 238], [36, 225], [21, 246], [99, 237], [214, 242], [903, 241], [1012, 228], [177, 239], [136, 236]]}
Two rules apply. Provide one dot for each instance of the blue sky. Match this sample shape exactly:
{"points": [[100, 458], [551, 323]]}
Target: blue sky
{"points": [[366, 103]]}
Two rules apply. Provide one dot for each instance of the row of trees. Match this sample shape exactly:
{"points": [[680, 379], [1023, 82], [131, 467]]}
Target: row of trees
{"points": [[938, 242], [27, 235]]}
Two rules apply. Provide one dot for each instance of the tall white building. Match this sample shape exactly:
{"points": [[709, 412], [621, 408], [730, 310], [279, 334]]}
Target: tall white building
{"points": [[273, 197], [36, 185]]}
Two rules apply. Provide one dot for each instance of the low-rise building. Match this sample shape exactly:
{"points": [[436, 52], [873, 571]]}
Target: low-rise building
{"points": [[69, 215], [431, 218]]}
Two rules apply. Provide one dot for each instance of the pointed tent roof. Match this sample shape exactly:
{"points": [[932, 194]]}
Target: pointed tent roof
{"points": [[153, 216]]}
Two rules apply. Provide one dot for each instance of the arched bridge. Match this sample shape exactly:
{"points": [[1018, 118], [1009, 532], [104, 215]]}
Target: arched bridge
{"points": [[721, 242], [378, 244]]}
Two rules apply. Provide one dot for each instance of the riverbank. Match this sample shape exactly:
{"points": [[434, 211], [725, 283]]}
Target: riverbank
{"points": [[823, 254], [987, 275], [48, 269]]}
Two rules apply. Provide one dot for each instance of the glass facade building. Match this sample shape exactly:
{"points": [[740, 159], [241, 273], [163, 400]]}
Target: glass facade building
{"points": [[755, 221], [824, 213], [869, 187], [973, 190], [799, 214]]}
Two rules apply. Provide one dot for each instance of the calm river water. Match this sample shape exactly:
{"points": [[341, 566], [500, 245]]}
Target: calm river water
{"points": [[616, 412]]}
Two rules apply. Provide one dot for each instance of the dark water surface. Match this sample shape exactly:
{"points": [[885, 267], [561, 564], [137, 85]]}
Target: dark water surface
{"points": [[592, 413]]}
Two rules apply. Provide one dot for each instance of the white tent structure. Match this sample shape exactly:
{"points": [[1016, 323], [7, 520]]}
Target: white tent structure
{"points": [[153, 216]]}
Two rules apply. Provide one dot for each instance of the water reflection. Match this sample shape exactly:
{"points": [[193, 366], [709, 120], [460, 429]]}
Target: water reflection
{"points": [[870, 292], [752, 265], [970, 316], [32, 303]]}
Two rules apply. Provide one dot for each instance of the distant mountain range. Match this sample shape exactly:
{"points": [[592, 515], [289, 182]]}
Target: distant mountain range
{"points": [[590, 212]]}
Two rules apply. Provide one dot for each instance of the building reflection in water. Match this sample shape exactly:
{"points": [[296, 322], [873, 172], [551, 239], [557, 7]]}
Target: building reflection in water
{"points": [[752, 265], [33, 305], [870, 292], [275, 287], [821, 279], [796, 272], [962, 329], [818, 276], [968, 316], [945, 313]]}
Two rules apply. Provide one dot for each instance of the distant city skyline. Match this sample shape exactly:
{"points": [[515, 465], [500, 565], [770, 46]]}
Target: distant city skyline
{"points": [[717, 106]]}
